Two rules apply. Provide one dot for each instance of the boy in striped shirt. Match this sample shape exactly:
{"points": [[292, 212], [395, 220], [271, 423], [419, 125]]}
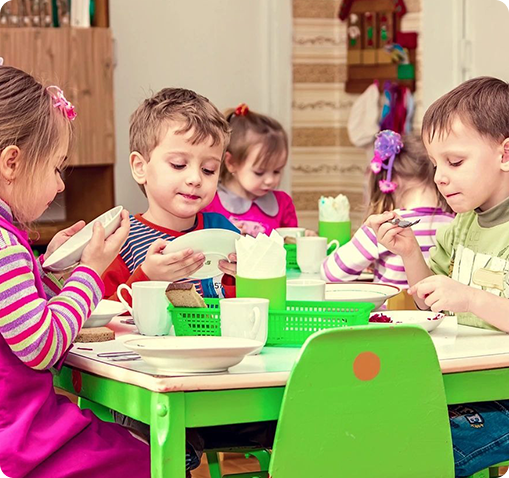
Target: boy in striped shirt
{"points": [[177, 141]]}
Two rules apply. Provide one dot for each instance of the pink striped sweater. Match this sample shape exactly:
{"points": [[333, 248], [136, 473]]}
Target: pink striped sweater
{"points": [[39, 331], [363, 250]]}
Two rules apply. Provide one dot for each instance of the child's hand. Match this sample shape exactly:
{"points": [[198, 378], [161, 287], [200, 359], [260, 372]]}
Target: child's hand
{"points": [[398, 240], [100, 252], [63, 236], [310, 233], [230, 267], [173, 266], [443, 293]]}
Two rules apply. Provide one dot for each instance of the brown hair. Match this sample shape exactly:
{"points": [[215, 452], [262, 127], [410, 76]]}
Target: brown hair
{"points": [[249, 128], [193, 111], [29, 121], [412, 163], [482, 102]]}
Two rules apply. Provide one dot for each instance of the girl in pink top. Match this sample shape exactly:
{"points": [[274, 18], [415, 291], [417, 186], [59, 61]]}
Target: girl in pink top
{"points": [[43, 434], [251, 173]]}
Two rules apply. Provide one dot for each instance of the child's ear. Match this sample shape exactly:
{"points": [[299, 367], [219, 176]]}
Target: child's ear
{"points": [[504, 165], [138, 167], [230, 164], [9, 163]]}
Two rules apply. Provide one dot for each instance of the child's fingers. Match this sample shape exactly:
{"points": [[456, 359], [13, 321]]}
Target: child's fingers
{"points": [[376, 220], [157, 247], [232, 257], [97, 240], [190, 269], [176, 257], [197, 258], [227, 268], [70, 231]]}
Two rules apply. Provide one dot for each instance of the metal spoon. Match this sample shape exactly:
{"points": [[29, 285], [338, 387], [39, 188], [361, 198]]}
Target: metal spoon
{"points": [[403, 222]]}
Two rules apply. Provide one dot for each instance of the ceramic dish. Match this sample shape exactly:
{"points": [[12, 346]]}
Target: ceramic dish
{"points": [[104, 312], [425, 318], [192, 354], [375, 293], [291, 231], [69, 253], [215, 244]]}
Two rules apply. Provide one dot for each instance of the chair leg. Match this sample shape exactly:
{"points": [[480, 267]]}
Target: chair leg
{"points": [[263, 457], [214, 465]]}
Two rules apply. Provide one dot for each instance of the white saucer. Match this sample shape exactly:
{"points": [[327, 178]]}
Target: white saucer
{"points": [[427, 319], [216, 244], [376, 293], [192, 354], [69, 253], [104, 312]]}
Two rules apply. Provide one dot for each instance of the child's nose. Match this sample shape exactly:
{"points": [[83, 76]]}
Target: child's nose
{"points": [[193, 177], [440, 178]]}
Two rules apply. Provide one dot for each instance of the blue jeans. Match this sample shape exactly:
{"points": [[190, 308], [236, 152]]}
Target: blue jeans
{"points": [[480, 435]]}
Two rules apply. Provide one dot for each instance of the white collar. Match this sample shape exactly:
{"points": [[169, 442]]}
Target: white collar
{"points": [[239, 205]]}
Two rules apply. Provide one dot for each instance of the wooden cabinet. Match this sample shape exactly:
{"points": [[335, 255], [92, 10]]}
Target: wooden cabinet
{"points": [[80, 61]]}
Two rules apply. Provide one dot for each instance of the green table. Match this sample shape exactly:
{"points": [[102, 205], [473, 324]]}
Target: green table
{"points": [[475, 364]]}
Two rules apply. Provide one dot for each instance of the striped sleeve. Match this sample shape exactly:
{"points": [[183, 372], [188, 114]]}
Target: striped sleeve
{"points": [[350, 260], [40, 331], [51, 284]]}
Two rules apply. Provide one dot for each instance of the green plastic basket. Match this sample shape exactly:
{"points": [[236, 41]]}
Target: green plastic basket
{"points": [[291, 256], [287, 328]]}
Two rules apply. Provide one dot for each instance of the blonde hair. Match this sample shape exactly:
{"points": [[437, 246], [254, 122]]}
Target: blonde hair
{"points": [[250, 128], [193, 112], [29, 121], [412, 163]]}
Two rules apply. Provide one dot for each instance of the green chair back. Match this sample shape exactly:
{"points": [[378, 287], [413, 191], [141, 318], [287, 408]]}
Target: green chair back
{"points": [[365, 401]]}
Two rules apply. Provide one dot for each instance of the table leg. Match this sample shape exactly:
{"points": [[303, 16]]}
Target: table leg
{"points": [[168, 435]]}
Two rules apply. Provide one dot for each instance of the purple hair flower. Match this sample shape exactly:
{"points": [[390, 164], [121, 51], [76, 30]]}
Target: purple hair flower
{"points": [[387, 145]]}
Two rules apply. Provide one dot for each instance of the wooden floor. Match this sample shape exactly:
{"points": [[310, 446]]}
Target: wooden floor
{"points": [[230, 463]]}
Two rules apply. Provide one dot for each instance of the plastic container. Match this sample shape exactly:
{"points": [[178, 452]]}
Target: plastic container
{"points": [[287, 328], [291, 256]]}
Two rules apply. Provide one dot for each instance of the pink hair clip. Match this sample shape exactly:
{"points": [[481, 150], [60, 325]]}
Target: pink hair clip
{"points": [[387, 145], [60, 101]]}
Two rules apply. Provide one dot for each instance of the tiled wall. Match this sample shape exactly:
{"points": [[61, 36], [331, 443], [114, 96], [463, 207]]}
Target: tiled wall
{"points": [[324, 162]]}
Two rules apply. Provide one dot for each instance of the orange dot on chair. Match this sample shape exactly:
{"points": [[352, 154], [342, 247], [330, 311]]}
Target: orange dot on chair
{"points": [[366, 366]]}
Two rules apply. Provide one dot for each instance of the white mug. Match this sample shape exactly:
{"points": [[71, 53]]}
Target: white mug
{"points": [[245, 318], [312, 251], [305, 289], [150, 306]]}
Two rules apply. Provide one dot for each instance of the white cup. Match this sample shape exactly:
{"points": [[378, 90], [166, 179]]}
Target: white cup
{"points": [[311, 252], [246, 318], [291, 231], [305, 289], [150, 306]]}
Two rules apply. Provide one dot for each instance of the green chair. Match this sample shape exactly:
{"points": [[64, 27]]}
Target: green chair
{"points": [[364, 401]]}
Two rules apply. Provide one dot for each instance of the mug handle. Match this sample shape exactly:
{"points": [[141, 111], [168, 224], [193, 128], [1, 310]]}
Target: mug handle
{"points": [[334, 242], [257, 322], [120, 288]]}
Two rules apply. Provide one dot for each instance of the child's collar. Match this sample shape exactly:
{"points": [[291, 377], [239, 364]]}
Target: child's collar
{"points": [[5, 211], [239, 205], [494, 216]]}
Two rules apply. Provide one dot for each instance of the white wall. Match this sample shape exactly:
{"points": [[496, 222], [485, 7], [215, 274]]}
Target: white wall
{"points": [[231, 51]]}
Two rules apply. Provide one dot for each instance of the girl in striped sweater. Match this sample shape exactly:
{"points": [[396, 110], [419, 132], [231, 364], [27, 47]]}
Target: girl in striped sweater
{"points": [[401, 180], [42, 434]]}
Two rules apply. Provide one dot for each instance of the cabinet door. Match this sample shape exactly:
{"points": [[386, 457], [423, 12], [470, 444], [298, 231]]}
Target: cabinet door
{"points": [[91, 77], [80, 61]]}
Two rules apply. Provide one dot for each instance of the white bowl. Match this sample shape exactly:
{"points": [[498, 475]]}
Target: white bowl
{"points": [[215, 244], [376, 293], [104, 312], [305, 289], [192, 354], [291, 231], [427, 319], [69, 253]]}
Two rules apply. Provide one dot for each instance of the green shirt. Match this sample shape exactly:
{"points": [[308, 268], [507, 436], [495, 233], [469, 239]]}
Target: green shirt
{"points": [[474, 250]]}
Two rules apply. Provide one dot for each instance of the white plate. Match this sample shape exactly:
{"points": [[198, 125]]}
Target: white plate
{"points": [[69, 253], [104, 312], [192, 354], [425, 318], [215, 244], [375, 293]]}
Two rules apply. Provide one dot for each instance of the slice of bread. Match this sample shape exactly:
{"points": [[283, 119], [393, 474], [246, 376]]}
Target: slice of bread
{"points": [[183, 294], [95, 334]]}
